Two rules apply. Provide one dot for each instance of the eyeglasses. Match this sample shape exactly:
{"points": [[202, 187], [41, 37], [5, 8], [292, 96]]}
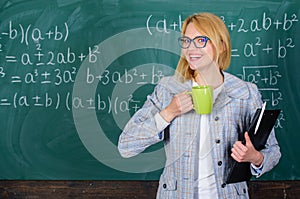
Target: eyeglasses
{"points": [[199, 41]]}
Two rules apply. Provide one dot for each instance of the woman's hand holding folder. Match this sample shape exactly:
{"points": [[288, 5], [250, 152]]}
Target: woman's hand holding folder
{"points": [[246, 152]]}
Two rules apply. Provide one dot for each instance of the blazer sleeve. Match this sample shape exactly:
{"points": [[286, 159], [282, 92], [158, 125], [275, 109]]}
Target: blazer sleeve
{"points": [[141, 131], [271, 152]]}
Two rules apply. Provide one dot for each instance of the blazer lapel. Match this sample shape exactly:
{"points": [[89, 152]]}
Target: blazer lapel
{"points": [[234, 88]]}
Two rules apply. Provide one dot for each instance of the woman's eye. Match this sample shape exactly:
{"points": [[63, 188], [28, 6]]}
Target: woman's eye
{"points": [[201, 40]]}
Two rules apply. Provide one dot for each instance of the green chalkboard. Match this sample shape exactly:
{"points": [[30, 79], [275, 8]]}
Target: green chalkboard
{"points": [[72, 72]]}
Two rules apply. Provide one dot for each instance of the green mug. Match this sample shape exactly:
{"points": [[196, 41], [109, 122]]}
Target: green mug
{"points": [[202, 99]]}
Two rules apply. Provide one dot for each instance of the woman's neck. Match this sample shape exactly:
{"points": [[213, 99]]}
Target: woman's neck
{"points": [[214, 79]]}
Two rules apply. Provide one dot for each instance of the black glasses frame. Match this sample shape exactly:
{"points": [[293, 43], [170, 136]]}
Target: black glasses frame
{"points": [[192, 40]]}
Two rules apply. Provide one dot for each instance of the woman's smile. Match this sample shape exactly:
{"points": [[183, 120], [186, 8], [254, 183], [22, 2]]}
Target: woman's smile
{"points": [[195, 57]]}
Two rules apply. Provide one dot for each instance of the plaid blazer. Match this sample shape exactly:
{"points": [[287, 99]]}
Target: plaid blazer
{"points": [[232, 113]]}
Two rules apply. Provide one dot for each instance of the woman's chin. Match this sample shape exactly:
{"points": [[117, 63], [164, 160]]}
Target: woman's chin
{"points": [[192, 66]]}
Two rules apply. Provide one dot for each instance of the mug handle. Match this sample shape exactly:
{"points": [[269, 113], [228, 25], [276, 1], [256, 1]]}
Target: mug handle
{"points": [[190, 93]]}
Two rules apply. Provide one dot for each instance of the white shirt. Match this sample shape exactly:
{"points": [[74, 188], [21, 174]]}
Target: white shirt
{"points": [[206, 182]]}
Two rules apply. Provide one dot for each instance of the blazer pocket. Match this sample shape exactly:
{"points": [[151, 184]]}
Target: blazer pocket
{"points": [[241, 189], [168, 184]]}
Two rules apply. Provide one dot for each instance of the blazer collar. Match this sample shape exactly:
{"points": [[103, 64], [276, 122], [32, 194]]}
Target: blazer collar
{"points": [[233, 88]]}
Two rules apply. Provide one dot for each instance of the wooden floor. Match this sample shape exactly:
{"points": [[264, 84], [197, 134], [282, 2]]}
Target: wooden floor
{"points": [[126, 189]]}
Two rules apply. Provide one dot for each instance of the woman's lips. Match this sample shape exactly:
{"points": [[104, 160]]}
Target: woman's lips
{"points": [[195, 57]]}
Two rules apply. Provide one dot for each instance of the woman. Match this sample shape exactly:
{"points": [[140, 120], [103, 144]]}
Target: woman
{"points": [[199, 148]]}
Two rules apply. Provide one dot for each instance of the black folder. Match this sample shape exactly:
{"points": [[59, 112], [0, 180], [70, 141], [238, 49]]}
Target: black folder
{"points": [[241, 171]]}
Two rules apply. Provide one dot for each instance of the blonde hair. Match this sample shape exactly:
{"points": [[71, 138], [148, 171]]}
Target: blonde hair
{"points": [[214, 28]]}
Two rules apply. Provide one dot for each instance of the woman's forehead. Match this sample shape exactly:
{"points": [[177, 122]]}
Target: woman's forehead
{"points": [[192, 31]]}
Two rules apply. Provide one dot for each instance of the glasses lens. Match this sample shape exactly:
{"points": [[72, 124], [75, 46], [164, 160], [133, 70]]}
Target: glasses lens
{"points": [[200, 41], [184, 42]]}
